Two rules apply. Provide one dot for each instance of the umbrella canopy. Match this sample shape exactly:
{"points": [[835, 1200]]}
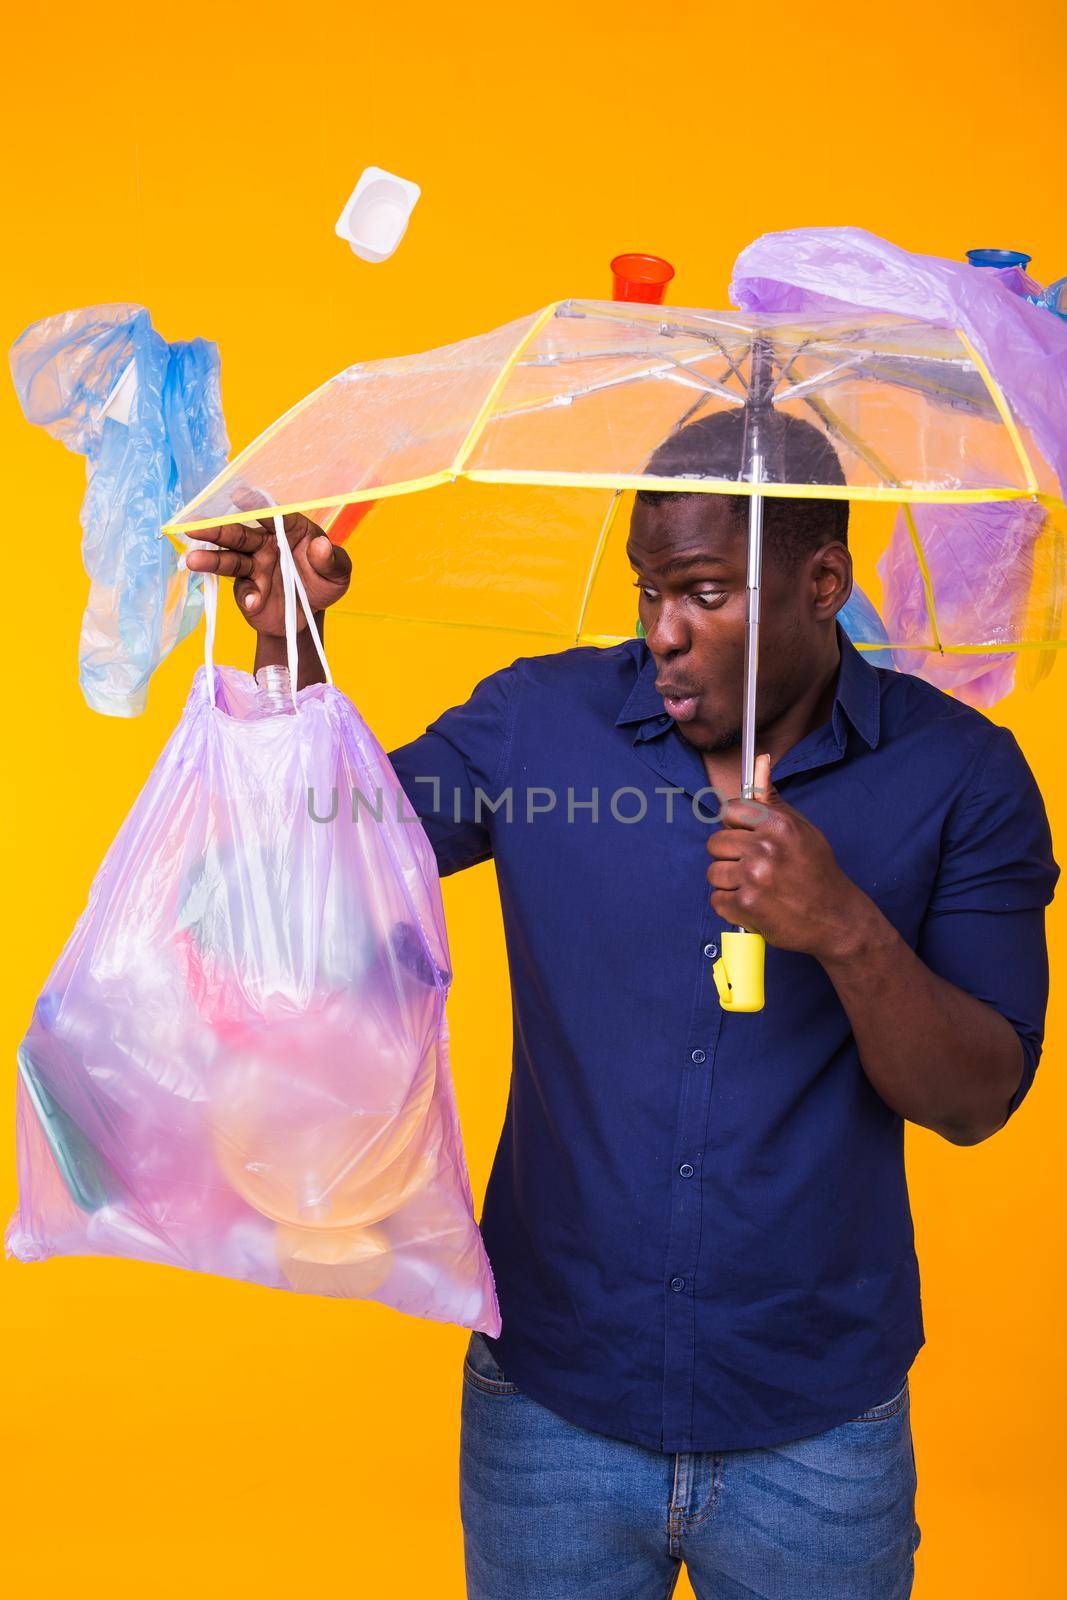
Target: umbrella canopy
{"points": [[499, 467]]}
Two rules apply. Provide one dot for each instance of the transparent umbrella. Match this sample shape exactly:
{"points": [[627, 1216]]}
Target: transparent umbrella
{"points": [[498, 467]]}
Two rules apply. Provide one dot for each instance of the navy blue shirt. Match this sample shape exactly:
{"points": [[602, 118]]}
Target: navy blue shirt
{"points": [[698, 1222]]}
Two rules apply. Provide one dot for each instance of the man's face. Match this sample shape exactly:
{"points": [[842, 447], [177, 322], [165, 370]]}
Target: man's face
{"points": [[689, 555]]}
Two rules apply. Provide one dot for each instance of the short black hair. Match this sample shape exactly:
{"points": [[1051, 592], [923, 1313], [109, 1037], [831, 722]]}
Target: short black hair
{"points": [[794, 451]]}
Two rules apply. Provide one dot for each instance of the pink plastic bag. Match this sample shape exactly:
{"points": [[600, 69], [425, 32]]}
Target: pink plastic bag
{"points": [[239, 1063]]}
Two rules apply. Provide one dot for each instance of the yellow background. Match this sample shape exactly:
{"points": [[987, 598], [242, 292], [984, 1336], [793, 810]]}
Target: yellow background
{"points": [[172, 1435]]}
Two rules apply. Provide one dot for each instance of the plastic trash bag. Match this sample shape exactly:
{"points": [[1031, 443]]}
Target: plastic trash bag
{"points": [[994, 579], [147, 416], [239, 1063], [805, 271], [860, 620]]}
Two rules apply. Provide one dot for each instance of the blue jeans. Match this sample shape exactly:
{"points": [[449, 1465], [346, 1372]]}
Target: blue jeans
{"points": [[551, 1511]]}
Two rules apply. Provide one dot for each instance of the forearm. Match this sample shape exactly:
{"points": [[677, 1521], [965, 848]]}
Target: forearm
{"points": [[935, 1054], [270, 652]]}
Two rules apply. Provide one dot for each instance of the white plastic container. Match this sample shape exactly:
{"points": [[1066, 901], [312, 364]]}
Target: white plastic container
{"points": [[376, 217]]}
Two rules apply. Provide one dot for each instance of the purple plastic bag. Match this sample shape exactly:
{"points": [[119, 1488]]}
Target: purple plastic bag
{"points": [[992, 583], [981, 559], [837, 269], [239, 1063]]}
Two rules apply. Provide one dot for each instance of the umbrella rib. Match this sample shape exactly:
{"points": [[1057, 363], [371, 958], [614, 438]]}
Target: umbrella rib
{"points": [[806, 385], [924, 574], [846, 435], [664, 325], [477, 427], [1002, 409], [565, 359], [710, 385], [854, 443], [261, 438], [667, 368], [693, 409], [594, 566], [733, 366], [871, 332]]}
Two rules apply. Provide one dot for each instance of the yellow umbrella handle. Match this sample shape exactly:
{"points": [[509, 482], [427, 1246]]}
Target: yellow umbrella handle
{"points": [[738, 973]]}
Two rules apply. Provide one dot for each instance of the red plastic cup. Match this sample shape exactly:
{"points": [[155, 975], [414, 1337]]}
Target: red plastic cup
{"points": [[639, 277]]}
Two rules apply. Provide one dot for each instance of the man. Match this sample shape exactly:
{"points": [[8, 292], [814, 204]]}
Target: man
{"points": [[698, 1222]]}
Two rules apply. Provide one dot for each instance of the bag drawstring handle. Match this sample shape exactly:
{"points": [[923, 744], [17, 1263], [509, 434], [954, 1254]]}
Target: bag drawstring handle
{"points": [[292, 591], [211, 607]]}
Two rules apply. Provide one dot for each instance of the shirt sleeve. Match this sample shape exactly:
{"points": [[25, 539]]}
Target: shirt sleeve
{"points": [[984, 928], [452, 773], [996, 849], [1001, 958]]}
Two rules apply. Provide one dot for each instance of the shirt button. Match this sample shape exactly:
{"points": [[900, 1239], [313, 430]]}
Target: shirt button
{"points": [[711, 951], [685, 1170], [677, 1284], [698, 1056]]}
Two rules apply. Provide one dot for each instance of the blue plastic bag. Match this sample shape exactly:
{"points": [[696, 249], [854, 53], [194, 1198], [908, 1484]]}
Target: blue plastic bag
{"points": [[147, 416], [860, 620]]}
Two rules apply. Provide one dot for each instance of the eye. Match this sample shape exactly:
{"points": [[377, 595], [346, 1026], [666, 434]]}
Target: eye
{"points": [[649, 593], [708, 599]]}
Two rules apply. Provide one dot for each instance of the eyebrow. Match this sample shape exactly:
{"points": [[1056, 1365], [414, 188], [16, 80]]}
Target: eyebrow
{"points": [[683, 563]]}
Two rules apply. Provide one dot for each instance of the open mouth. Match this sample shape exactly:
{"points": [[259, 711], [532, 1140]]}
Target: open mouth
{"points": [[679, 705]]}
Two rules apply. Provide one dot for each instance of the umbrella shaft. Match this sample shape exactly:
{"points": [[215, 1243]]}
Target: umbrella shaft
{"points": [[752, 620]]}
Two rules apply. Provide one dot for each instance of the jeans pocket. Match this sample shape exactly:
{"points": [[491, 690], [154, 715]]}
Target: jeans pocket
{"points": [[888, 1408], [482, 1370]]}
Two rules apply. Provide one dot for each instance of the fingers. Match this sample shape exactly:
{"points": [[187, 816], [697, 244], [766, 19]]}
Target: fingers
{"points": [[732, 908], [329, 560], [735, 893], [730, 872], [231, 536], [728, 844], [744, 813], [245, 498], [227, 563], [247, 595], [248, 499], [765, 800], [725, 877], [295, 525]]}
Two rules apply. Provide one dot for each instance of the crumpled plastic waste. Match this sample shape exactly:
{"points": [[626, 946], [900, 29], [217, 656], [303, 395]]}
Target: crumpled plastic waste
{"points": [[989, 566], [147, 417]]}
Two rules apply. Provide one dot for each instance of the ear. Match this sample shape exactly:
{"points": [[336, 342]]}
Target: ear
{"points": [[831, 573]]}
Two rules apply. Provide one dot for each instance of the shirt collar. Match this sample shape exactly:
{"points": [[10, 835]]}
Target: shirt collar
{"points": [[857, 696], [859, 693]]}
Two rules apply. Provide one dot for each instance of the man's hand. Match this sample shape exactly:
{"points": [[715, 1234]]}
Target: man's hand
{"points": [[774, 872], [935, 1054], [250, 557]]}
